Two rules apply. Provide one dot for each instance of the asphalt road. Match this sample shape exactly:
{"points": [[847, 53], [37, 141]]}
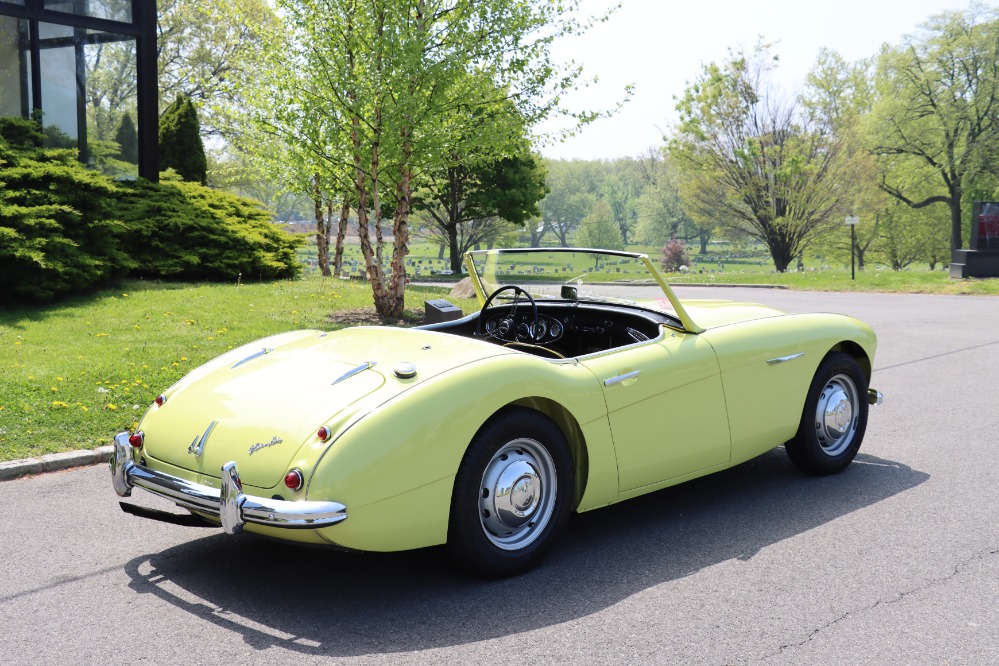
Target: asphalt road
{"points": [[894, 561]]}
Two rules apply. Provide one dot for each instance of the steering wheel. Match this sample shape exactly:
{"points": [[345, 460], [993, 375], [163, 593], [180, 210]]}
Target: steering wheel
{"points": [[508, 326]]}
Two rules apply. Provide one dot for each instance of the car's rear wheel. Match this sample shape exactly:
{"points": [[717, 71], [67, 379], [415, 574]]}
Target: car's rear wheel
{"points": [[834, 419], [512, 494]]}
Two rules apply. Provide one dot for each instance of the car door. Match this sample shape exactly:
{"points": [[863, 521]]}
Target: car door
{"points": [[666, 408]]}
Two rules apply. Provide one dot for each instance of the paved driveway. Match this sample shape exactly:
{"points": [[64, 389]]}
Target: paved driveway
{"points": [[895, 561]]}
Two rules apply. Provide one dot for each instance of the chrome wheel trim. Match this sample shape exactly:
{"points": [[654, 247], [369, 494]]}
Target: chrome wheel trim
{"points": [[517, 494], [837, 415]]}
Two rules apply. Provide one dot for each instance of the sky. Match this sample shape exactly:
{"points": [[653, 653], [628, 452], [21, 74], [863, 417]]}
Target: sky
{"points": [[660, 45]]}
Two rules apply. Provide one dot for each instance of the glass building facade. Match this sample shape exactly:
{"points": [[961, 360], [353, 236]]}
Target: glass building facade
{"points": [[89, 68]]}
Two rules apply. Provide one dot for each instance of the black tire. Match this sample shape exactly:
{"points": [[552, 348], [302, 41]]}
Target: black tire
{"points": [[834, 419], [503, 534]]}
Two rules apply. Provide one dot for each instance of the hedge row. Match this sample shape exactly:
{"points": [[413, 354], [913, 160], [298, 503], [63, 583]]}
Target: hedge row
{"points": [[65, 229]]}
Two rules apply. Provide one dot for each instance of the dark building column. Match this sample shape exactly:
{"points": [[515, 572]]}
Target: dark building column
{"points": [[144, 15]]}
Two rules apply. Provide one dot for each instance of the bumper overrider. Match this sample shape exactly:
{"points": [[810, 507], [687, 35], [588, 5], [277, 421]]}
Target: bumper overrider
{"points": [[233, 508]]}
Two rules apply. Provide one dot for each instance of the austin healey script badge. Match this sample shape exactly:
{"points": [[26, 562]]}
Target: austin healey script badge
{"points": [[261, 445]]}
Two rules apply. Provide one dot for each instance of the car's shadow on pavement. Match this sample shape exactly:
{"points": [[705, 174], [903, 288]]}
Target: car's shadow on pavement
{"points": [[324, 602]]}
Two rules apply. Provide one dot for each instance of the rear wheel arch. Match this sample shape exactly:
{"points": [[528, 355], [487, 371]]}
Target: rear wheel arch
{"points": [[571, 430], [511, 497]]}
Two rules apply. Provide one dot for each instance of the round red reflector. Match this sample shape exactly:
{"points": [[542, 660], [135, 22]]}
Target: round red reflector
{"points": [[324, 433], [293, 479], [160, 399], [136, 439]]}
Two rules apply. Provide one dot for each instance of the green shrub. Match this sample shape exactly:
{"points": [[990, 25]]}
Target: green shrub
{"points": [[64, 228], [57, 230], [186, 231], [181, 148]]}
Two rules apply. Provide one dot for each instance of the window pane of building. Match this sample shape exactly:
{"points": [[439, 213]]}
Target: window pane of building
{"points": [[111, 103], [115, 10], [14, 2], [59, 92], [14, 59]]}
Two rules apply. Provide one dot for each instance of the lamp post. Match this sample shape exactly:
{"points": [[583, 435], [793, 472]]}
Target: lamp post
{"points": [[852, 221]]}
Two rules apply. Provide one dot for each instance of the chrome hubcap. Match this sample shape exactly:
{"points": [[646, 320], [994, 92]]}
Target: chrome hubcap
{"points": [[836, 415], [517, 494]]}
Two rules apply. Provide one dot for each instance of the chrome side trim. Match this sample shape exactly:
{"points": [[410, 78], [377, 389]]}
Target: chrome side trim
{"points": [[265, 350], [875, 397], [233, 508], [620, 378], [353, 371], [784, 359]]}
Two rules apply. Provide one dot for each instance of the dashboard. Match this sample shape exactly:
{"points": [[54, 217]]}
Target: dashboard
{"points": [[574, 329]]}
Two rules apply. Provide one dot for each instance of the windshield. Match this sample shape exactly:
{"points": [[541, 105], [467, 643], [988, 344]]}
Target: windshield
{"points": [[590, 274]]}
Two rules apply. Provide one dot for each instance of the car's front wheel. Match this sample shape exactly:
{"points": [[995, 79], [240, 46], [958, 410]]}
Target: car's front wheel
{"points": [[834, 419], [512, 494]]}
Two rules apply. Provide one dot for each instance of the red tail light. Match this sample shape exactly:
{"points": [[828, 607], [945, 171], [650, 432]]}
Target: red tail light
{"points": [[293, 479], [160, 399], [137, 439], [324, 433]]}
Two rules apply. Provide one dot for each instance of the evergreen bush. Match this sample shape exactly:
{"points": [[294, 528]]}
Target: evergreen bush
{"points": [[57, 229], [64, 228], [181, 148]]}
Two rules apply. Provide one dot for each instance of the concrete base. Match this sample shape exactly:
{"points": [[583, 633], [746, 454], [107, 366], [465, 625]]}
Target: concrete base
{"points": [[974, 263]]}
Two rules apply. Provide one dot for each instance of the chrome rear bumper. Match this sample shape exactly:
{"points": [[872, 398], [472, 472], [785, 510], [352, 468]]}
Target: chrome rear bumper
{"points": [[233, 508]]}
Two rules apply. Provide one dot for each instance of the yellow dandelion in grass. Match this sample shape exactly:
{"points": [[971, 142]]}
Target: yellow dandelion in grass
{"points": [[102, 335], [60, 379], [84, 408], [210, 337], [136, 327], [174, 364], [124, 295], [53, 389], [189, 322], [59, 404], [111, 406], [183, 358]]}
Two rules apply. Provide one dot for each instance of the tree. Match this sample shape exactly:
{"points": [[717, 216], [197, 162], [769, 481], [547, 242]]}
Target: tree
{"points": [[205, 50], [568, 200], [599, 230], [661, 214], [759, 164], [470, 206], [938, 108], [128, 139], [181, 148], [838, 96], [396, 86]]}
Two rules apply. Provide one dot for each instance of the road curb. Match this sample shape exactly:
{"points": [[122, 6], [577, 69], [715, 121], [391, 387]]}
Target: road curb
{"points": [[53, 462]]}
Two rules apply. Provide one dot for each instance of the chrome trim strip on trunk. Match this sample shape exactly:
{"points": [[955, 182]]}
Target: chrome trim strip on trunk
{"points": [[230, 504], [353, 371], [265, 350]]}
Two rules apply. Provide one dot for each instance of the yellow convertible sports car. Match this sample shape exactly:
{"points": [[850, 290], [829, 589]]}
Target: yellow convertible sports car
{"points": [[485, 432]]}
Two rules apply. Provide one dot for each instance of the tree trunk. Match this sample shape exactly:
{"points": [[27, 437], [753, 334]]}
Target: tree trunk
{"points": [[452, 241], [341, 235], [322, 228], [955, 220]]}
